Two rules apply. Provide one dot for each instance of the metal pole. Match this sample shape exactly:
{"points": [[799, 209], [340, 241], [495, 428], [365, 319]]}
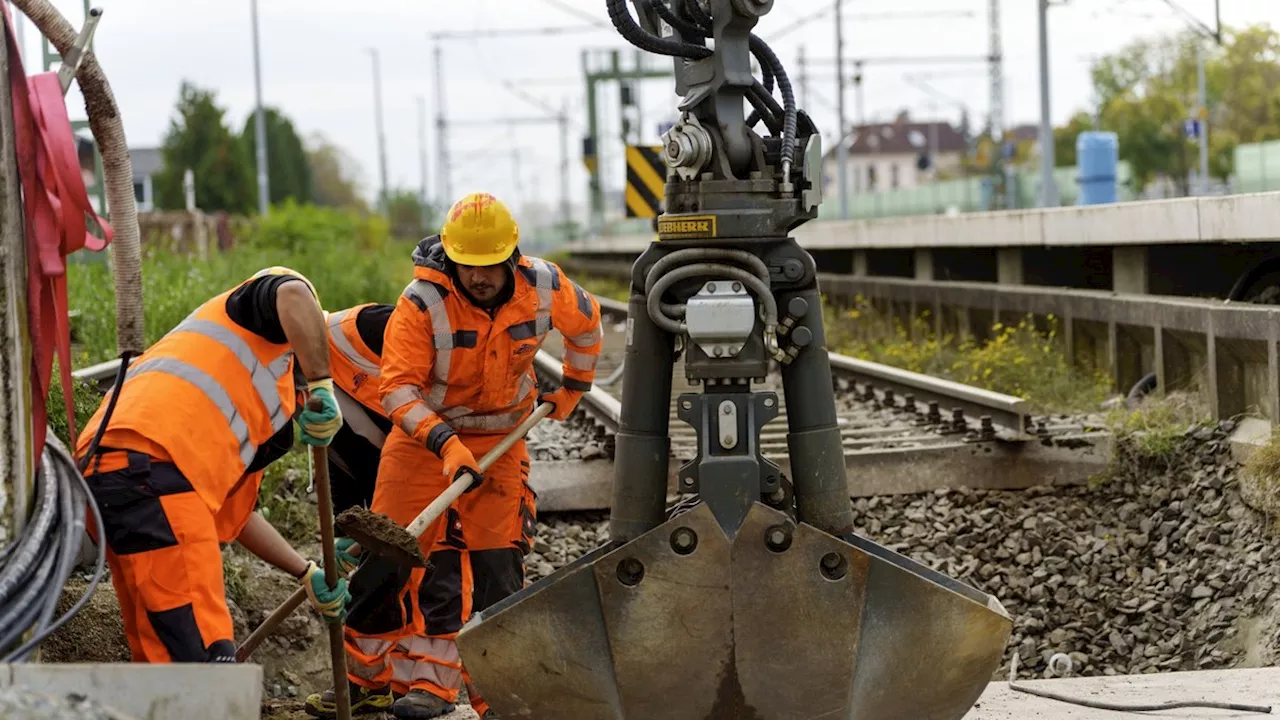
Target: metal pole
{"points": [[422, 161], [17, 454], [842, 151], [804, 81], [565, 212], [259, 119], [442, 140], [382, 140], [1048, 189], [1202, 115]]}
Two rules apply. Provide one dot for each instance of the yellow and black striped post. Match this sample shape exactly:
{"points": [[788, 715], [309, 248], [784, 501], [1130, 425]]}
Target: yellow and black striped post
{"points": [[646, 180]]}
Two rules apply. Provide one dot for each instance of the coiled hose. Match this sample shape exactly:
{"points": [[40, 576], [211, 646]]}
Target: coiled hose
{"points": [[36, 566]]}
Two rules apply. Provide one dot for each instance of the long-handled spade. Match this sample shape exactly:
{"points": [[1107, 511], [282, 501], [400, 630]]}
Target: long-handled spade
{"points": [[324, 498], [376, 534]]}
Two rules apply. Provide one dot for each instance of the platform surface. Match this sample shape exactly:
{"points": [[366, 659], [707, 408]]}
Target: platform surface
{"points": [[177, 691], [1257, 686]]}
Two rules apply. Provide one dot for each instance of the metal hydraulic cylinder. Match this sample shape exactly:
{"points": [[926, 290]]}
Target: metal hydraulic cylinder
{"points": [[642, 448], [817, 453]]}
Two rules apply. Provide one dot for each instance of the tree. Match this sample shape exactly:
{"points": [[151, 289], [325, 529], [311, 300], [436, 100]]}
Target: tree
{"points": [[1148, 89], [334, 176], [199, 140], [1064, 139], [409, 218], [288, 172]]}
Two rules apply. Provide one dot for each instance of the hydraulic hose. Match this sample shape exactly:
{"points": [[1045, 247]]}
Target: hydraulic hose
{"points": [[768, 59], [766, 108], [712, 270], [638, 36], [688, 255]]}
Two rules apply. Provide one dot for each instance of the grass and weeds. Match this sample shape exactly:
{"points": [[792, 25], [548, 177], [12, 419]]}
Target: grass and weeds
{"points": [[1157, 436], [351, 259], [609, 287], [1260, 481], [283, 498], [1021, 360]]}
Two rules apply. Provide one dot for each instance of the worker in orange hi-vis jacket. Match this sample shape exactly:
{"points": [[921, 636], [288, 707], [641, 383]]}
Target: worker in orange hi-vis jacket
{"points": [[457, 376], [200, 415]]}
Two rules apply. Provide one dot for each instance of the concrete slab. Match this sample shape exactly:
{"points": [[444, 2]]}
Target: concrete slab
{"points": [[179, 691], [1250, 434], [1260, 686]]}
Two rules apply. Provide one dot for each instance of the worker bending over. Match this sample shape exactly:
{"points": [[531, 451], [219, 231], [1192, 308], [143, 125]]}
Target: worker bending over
{"points": [[457, 376], [355, 354], [199, 416]]}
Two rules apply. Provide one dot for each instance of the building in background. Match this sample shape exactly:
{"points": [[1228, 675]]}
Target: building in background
{"points": [[146, 163], [893, 155]]}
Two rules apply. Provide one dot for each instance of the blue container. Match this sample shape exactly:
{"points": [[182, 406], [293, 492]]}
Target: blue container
{"points": [[1097, 156]]}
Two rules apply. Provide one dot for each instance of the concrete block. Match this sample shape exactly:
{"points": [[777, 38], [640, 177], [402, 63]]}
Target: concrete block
{"points": [[1240, 217], [1259, 686], [1009, 266], [1129, 270], [180, 691], [1250, 434], [1156, 221], [1017, 228], [904, 232]]}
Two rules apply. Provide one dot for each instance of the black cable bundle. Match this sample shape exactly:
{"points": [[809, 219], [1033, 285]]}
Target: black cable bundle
{"points": [[36, 566], [34, 569]]}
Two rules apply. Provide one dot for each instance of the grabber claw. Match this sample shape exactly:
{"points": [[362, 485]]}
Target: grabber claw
{"points": [[780, 622]]}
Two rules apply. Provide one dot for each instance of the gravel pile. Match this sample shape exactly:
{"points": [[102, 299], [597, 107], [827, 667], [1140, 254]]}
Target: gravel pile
{"points": [[1170, 572], [578, 438], [19, 704]]}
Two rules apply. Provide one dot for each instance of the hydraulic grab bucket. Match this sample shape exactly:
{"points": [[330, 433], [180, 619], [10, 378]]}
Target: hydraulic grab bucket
{"points": [[754, 600], [780, 622]]}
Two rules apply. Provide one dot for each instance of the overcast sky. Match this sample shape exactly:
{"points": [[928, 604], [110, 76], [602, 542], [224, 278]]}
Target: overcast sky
{"points": [[317, 68]]}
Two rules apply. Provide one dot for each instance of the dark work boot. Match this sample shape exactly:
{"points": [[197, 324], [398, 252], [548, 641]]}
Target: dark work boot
{"points": [[363, 701], [421, 705]]}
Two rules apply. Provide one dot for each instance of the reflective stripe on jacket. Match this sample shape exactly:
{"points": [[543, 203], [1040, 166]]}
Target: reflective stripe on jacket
{"points": [[209, 393], [353, 366], [447, 365]]}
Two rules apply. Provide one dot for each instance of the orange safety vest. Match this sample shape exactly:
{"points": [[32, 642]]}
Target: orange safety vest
{"points": [[353, 366], [208, 394], [448, 365]]}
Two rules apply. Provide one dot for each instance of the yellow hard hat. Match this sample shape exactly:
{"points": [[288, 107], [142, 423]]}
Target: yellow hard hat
{"points": [[282, 270], [479, 231]]}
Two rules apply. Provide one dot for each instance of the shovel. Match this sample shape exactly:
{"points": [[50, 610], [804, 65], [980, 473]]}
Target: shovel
{"points": [[379, 535]]}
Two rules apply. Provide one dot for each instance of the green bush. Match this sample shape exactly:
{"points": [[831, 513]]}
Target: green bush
{"points": [[1019, 360], [350, 258]]}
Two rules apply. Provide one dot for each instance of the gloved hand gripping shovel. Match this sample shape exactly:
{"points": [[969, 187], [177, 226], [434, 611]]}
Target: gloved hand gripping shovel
{"points": [[378, 535]]}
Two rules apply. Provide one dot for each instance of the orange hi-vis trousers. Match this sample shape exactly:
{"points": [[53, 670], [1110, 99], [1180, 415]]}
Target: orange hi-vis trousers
{"points": [[402, 623], [165, 559]]}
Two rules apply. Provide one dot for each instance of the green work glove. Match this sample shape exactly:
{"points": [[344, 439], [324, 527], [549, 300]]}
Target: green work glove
{"points": [[319, 426], [330, 603], [347, 562]]}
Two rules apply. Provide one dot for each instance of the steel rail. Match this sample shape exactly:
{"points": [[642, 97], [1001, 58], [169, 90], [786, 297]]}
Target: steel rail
{"points": [[1006, 411]]}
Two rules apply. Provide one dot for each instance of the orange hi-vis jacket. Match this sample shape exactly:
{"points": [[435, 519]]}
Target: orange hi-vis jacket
{"points": [[448, 366], [352, 365], [205, 397]]}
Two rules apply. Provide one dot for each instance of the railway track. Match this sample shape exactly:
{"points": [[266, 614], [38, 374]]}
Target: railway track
{"points": [[902, 432]]}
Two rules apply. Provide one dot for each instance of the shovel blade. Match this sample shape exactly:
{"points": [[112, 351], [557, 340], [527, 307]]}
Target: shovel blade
{"points": [[778, 622]]}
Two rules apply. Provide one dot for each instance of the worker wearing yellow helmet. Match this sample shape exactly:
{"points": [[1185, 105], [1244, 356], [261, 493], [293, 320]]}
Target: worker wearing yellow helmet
{"points": [[457, 375], [200, 414]]}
